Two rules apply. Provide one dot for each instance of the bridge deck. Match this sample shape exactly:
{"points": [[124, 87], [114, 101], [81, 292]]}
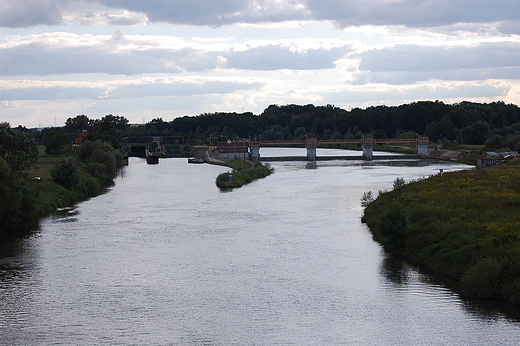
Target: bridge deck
{"points": [[345, 158]]}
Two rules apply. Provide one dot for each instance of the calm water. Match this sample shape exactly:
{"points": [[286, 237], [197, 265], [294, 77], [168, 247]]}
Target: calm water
{"points": [[165, 258]]}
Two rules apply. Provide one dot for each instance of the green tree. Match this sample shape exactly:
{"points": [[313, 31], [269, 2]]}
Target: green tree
{"points": [[54, 141], [19, 152], [476, 133], [66, 172], [100, 159], [17, 155], [77, 124], [17, 201]]}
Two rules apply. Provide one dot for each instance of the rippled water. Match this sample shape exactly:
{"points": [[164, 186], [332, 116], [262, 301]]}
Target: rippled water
{"points": [[165, 258]]}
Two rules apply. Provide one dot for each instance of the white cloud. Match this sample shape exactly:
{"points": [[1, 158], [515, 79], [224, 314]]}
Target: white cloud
{"points": [[171, 58]]}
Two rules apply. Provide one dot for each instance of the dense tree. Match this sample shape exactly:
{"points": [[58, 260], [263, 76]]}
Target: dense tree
{"points": [[476, 133], [77, 124], [434, 118], [66, 172], [54, 141], [19, 152]]}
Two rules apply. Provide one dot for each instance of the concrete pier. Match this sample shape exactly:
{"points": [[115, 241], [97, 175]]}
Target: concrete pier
{"points": [[367, 143], [311, 143]]}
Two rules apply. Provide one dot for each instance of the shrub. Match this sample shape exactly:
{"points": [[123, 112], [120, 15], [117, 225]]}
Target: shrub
{"points": [[398, 182], [446, 143], [495, 142], [454, 145], [395, 225], [481, 279], [66, 172], [367, 198]]}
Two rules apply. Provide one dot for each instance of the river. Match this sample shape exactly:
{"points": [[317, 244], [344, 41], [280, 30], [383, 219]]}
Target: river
{"points": [[165, 258]]}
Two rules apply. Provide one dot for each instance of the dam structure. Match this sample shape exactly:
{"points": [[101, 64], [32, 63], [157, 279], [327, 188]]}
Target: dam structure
{"points": [[311, 143]]}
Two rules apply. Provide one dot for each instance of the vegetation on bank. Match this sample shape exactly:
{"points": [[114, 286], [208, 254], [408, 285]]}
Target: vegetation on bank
{"points": [[34, 182], [463, 224], [243, 173]]}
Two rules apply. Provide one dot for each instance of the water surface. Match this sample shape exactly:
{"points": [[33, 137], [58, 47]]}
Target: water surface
{"points": [[165, 258]]}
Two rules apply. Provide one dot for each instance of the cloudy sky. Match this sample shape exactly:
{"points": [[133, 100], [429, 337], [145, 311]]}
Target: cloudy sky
{"points": [[169, 58]]}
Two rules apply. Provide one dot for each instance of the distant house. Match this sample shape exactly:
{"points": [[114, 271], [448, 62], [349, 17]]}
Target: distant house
{"points": [[79, 139]]}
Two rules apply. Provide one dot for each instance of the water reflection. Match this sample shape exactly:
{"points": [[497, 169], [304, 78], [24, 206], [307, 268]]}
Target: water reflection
{"points": [[401, 274], [22, 230], [395, 270], [67, 214]]}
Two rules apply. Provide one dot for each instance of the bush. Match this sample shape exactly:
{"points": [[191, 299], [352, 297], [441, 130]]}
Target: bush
{"points": [[396, 226], [367, 198], [481, 279], [454, 145], [100, 159], [399, 182], [446, 144], [495, 142], [66, 172]]}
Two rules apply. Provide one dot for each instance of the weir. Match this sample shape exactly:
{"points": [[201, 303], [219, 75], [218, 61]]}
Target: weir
{"points": [[367, 145], [344, 158]]}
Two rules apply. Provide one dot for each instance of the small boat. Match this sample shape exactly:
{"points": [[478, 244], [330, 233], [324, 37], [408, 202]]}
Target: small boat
{"points": [[195, 160]]}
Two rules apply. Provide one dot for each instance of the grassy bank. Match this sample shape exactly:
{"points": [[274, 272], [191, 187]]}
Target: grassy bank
{"points": [[51, 184], [463, 224], [243, 173]]}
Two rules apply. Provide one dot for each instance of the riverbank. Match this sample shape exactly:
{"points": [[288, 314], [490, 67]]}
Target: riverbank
{"points": [[463, 224], [52, 184]]}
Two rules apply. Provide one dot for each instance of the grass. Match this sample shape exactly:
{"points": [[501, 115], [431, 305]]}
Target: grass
{"points": [[463, 224], [49, 195]]}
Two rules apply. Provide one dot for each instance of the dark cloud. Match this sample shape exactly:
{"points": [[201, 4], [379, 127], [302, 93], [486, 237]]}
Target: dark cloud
{"points": [[91, 18], [411, 13], [403, 78], [26, 13], [113, 57], [272, 57], [410, 63], [42, 59], [197, 12], [50, 93], [126, 91]]}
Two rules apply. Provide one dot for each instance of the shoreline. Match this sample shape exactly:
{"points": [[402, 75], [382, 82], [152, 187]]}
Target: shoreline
{"points": [[465, 225]]}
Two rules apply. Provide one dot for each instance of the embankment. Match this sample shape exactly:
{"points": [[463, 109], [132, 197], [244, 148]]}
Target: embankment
{"points": [[462, 224]]}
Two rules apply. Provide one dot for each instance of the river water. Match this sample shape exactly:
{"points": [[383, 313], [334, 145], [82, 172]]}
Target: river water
{"points": [[165, 258]]}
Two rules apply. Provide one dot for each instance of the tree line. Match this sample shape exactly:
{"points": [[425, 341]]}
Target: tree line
{"points": [[78, 174], [495, 124]]}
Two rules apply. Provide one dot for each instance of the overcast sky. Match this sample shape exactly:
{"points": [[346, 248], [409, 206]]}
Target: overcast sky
{"points": [[170, 58]]}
